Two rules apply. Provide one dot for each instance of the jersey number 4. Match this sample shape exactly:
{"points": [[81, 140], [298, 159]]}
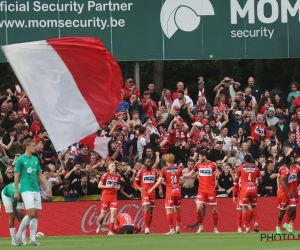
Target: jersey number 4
{"points": [[173, 179], [249, 177]]}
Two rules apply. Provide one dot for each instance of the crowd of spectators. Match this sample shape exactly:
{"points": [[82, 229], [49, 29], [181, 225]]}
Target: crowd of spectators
{"points": [[229, 121]]}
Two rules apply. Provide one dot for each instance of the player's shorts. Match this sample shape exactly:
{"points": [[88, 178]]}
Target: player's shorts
{"points": [[8, 204], [248, 199], [105, 205], [208, 197], [284, 201], [32, 200], [238, 206], [172, 201], [146, 199]]}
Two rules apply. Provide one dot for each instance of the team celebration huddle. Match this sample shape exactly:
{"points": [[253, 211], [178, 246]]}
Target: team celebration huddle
{"points": [[245, 193]]}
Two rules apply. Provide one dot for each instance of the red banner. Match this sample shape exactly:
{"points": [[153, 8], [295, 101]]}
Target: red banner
{"points": [[80, 218]]}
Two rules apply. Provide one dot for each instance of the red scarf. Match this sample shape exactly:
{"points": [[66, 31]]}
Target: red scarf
{"points": [[201, 92], [149, 112]]}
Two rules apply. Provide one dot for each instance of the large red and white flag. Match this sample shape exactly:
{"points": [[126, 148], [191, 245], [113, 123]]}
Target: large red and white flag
{"points": [[74, 84]]}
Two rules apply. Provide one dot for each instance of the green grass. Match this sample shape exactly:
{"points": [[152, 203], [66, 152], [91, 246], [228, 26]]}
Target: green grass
{"points": [[222, 241]]}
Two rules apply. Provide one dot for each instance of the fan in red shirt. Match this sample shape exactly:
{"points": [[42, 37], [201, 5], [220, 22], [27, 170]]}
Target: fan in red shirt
{"points": [[125, 225], [180, 86], [287, 193], [165, 139], [181, 131], [147, 178], [236, 199], [173, 178], [249, 173], [207, 188], [195, 134], [199, 117], [258, 129], [110, 184]]}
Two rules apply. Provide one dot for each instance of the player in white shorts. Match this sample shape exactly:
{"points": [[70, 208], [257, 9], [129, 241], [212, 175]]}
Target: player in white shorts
{"points": [[15, 210], [28, 172]]}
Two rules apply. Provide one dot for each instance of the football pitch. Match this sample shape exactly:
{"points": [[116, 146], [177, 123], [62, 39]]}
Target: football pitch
{"points": [[232, 241]]}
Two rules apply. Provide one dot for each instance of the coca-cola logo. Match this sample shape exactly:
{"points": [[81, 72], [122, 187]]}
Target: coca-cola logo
{"points": [[89, 221]]}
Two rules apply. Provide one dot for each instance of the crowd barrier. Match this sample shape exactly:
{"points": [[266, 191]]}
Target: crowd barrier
{"points": [[80, 218]]}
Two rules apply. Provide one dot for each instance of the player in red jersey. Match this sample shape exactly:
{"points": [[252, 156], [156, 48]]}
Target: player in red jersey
{"points": [[110, 184], [208, 176], [294, 187], [125, 225], [173, 178], [147, 178], [236, 199], [248, 173], [288, 182]]}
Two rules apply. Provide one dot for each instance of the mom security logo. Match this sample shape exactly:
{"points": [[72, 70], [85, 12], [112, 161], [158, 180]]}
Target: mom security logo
{"points": [[184, 15]]}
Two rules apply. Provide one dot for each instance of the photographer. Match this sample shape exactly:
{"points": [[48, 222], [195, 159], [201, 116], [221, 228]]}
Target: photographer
{"points": [[229, 86], [74, 174]]}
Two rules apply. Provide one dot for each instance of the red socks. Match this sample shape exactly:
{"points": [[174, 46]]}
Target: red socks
{"points": [[250, 215], [215, 219], [239, 219], [288, 219], [245, 217], [111, 227], [255, 215], [146, 219], [178, 218], [170, 220], [278, 223], [199, 216]]}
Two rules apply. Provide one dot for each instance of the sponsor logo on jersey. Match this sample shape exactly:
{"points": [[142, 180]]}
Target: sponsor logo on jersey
{"points": [[148, 178], [259, 131], [249, 168], [292, 177], [111, 182], [30, 170], [172, 170], [205, 171]]}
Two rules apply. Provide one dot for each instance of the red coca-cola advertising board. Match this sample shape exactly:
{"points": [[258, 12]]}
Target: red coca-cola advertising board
{"points": [[80, 218]]}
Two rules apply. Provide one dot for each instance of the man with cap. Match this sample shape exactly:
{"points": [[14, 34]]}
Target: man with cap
{"points": [[235, 122], [195, 134], [181, 130], [174, 115], [149, 106]]}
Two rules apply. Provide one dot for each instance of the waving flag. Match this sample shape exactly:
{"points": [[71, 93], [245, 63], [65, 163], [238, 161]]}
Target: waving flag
{"points": [[73, 83]]}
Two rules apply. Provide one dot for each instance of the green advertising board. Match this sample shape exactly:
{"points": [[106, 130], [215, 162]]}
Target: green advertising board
{"points": [[137, 30]]}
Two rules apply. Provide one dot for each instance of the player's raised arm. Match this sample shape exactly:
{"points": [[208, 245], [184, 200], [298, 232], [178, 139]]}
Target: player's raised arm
{"points": [[190, 174]]}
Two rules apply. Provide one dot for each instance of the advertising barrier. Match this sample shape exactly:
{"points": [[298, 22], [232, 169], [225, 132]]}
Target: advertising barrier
{"points": [[80, 218], [137, 30]]}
